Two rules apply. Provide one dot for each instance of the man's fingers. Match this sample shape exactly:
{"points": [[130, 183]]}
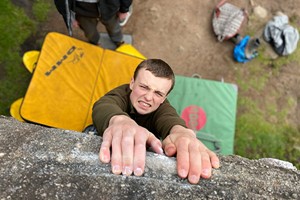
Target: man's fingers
{"points": [[144, 137], [116, 157], [122, 16], [140, 153], [194, 160], [154, 143], [215, 162], [104, 153], [195, 164], [127, 144], [206, 165], [169, 146], [183, 159]]}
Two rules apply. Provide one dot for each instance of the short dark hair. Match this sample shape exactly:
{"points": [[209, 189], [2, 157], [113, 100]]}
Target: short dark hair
{"points": [[158, 68]]}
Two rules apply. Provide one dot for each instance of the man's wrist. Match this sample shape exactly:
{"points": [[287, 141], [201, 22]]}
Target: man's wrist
{"points": [[178, 129], [118, 118]]}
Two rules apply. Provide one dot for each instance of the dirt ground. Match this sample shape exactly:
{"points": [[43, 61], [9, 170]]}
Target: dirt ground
{"points": [[180, 32]]}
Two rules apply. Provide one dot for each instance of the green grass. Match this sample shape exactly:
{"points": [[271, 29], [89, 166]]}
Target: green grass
{"points": [[15, 28], [261, 127], [40, 10], [258, 138], [261, 131]]}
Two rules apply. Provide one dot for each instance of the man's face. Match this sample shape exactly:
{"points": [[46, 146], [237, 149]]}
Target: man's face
{"points": [[148, 91]]}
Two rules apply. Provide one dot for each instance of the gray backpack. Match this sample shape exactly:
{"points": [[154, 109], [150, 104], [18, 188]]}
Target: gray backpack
{"points": [[227, 20]]}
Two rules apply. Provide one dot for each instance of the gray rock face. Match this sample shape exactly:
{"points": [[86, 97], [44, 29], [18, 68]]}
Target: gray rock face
{"points": [[47, 163]]}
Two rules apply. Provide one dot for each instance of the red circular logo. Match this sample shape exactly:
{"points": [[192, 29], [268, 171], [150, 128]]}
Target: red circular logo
{"points": [[194, 117]]}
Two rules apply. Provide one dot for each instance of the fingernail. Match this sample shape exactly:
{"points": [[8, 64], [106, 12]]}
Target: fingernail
{"points": [[182, 173], [194, 179], [104, 158], [205, 172], [126, 171], [216, 164], [116, 169], [161, 151], [138, 172]]}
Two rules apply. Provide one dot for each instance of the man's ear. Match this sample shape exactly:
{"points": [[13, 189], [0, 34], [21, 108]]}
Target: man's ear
{"points": [[131, 83], [164, 100]]}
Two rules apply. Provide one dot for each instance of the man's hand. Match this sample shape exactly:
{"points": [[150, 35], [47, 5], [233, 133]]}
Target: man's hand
{"points": [[194, 160], [75, 23], [128, 141], [122, 16]]}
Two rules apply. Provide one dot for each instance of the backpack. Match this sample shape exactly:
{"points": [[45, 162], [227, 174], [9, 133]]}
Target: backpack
{"points": [[246, 49], [227, 20]]}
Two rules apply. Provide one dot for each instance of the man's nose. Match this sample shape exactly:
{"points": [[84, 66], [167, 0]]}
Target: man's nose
{"points": [[149, 96]]}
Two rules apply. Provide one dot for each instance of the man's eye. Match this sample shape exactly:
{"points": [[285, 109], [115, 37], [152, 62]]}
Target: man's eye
{"points": [[159, 94]]}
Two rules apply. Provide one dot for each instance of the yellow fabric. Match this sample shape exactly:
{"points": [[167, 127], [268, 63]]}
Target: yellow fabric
{"points": [[69, 77], [30, 59], [130, 50], [116, 69], [15, 109]]}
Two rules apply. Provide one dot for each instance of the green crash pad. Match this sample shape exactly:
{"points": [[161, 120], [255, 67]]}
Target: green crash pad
{"points": [[209, 108]]}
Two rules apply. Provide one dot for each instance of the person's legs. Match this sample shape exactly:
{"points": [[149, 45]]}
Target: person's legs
{"points": [[89, 27], [114, 30]]}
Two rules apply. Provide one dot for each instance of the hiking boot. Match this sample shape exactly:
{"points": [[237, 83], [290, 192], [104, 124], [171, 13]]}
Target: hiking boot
{"points": [[124, 21], [118, 44]]}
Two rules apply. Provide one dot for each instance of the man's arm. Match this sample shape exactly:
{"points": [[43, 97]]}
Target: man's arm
{"points": [[194, 159], [113, 103], [121, 134], [128, 141]]}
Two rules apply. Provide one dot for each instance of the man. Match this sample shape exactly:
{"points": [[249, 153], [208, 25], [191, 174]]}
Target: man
{"points": [[131, 117], [111, 13]]}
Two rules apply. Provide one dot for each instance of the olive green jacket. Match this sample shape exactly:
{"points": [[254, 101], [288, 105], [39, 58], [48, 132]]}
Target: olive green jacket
{"points": [[117, 102]]}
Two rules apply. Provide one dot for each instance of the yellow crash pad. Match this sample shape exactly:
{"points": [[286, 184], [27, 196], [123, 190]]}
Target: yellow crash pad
{"points": [[69, 77], [15, 109], [30, 59], [130, 50]]}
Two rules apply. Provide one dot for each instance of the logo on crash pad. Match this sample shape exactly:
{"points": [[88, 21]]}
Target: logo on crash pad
{"points": [[73, 55], [194, 117]]}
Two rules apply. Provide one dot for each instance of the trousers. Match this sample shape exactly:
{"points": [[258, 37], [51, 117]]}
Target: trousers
{"points": [[89, 27]]}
